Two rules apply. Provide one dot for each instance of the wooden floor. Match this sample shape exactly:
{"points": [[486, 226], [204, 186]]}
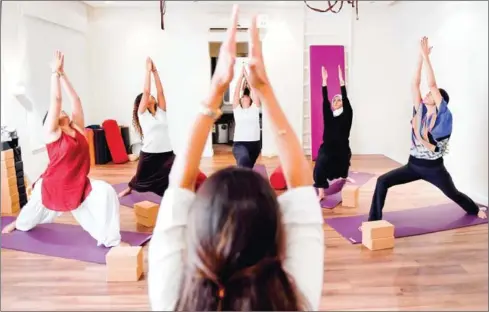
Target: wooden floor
{"points": [[440, 271]]}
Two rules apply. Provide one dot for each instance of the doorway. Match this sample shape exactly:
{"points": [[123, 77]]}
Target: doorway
{"points": [[223, 129]]}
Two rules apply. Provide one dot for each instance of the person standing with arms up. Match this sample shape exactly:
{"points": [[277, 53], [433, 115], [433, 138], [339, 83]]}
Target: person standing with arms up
{"points": [[246, 110], [334, 155], [430, 132]]}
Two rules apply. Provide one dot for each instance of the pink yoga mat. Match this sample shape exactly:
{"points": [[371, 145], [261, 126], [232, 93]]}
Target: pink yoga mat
{"points": [[333, 193], [64, 241], [409, 222], [329, 57], [136, 197]]}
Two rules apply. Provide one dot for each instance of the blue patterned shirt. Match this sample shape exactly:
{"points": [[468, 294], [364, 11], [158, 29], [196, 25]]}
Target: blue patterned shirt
{"points": [[438, 136]]}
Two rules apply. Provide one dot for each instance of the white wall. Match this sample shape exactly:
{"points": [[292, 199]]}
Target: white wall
{"points": [[31, 31], [121, 38], [385, 47]]}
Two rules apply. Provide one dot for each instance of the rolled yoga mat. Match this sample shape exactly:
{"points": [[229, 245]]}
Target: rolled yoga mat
{"points": [[136, 197], [63, 241], [409, 222], [333, 192]]}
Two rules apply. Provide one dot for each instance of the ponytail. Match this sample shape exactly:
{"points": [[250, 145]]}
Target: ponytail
{"points": [[264, 286]]}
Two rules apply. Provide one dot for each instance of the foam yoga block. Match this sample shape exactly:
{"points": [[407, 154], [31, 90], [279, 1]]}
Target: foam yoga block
{"points": [[277, 179], [349, 195], [146, 213], [378, 235], [124, 264]]}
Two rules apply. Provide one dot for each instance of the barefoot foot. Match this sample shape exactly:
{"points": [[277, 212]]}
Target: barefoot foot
{"points": [[320, 194], [482, 214], [125, 192], [9, 228], [124, 244]]}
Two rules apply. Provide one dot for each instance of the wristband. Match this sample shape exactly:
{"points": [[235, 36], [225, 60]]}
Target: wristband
{"points": [[214, 114]]}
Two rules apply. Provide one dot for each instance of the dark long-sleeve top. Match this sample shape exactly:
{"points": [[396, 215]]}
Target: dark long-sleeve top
{"points": [[336, 133]]}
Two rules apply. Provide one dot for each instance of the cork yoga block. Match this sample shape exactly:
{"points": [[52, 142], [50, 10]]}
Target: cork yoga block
{"points": [[126, 275], [10, 202], [8, 154], [124, 264], [377, 229], [349, 196], [378, 235], [146, 209], [379, 243], [145, 221]]}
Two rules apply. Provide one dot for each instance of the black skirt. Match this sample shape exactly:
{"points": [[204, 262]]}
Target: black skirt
{"points": [[331, 164], [153, 172]]}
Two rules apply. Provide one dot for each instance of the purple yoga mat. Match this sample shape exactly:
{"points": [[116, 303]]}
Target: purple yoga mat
{"points": [[409, 222], [329, 57], [136, 197], [333, 192], [63, 241]]}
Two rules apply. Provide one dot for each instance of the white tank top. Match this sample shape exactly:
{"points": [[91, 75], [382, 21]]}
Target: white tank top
{"points": [[155, 132], [247, 124]]}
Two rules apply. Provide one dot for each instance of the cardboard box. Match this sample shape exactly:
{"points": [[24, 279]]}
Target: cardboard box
{"points": [[377, 229], [349, 195], [379, 243]]}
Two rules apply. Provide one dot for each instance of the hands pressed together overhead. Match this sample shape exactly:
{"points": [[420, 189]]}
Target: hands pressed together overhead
{"points": [[257, 77], [425, 48], [58, 63]]}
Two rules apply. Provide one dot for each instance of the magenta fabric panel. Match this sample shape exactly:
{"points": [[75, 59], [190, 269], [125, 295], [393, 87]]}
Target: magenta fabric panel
{"points": [[329, 57]]}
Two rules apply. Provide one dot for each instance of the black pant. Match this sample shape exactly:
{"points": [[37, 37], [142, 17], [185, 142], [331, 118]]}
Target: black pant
{"points": [[246, 153], [331, 164], [436, 175]]}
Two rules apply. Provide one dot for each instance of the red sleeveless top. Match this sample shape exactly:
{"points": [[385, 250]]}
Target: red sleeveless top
{"points": [[65, 183]]}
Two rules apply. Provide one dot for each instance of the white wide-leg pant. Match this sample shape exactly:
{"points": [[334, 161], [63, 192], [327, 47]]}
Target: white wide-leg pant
{"points": [[98, 214]]}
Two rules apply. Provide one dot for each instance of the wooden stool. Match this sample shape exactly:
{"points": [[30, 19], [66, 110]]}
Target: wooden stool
{"points": [[378, 235], [124, 264]]}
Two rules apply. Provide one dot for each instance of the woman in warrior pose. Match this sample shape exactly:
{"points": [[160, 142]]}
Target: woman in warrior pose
{"points": [[334, 155], [65, 185], [233, 245], [246, 110], [151, 123], [430, 133]]}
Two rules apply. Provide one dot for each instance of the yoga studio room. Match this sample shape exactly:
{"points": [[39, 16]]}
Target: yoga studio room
{"points": [[244, 155]]}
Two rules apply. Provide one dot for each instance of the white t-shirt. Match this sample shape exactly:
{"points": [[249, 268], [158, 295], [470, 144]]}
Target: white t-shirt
{"points": [[155, 131], [304, 259], [247, 124]]}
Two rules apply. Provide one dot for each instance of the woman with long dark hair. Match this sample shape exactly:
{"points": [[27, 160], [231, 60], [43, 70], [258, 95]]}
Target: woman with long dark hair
{"points": [[64, 186], [150, 122], [246, 111], [233, 245]]}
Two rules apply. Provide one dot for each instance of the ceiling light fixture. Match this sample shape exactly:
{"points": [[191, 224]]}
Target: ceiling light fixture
{"points": [[332, 4]]}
